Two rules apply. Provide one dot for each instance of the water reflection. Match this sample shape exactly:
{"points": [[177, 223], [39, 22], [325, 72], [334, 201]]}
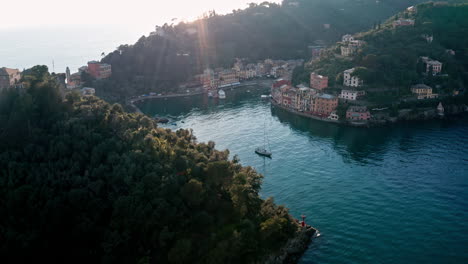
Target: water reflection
{"points": [[365, 144], [354, 145], [181, 106]]}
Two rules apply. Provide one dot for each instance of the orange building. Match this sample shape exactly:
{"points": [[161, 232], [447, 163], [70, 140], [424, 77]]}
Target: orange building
{"points": [[99, 70], [318, 82], [325, 104]]}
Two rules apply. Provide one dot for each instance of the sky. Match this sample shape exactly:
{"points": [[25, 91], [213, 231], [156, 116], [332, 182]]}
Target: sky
{"points": [[134, 13]]}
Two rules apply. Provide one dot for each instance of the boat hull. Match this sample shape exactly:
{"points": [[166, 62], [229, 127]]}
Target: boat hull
{"points": [[263, 154]]}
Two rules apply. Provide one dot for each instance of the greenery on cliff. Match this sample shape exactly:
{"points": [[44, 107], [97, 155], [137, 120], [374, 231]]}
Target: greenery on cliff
{"points": [[390, 57], [81, 181], [269, 30]]}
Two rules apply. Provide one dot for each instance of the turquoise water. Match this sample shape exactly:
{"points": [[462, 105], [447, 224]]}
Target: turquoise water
{"points": [[383, 195]]}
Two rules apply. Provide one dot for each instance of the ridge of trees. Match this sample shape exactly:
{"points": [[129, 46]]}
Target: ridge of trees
{"points": [[82, 181], [267, 30]]}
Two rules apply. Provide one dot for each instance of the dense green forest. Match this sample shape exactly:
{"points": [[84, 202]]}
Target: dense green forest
{"points": [[267, 30], [81, 181], [390, 57]]}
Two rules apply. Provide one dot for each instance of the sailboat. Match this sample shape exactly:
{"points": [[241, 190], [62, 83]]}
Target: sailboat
{"points": [[262, 151]]}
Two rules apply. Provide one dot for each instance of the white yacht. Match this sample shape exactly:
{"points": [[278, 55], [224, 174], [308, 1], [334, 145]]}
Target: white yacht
{"points": [[222, 94]]}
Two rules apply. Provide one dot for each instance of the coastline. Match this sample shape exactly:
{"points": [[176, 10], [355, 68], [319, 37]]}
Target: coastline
{"points": [[294, 248], [404, 116], [131, 102], [324, 119]]}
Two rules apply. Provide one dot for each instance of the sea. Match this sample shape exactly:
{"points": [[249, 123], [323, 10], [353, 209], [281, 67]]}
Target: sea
{"points": [[59, 47], [396, 194]]}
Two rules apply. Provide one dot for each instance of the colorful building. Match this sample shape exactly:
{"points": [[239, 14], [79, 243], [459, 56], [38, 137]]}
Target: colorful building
{"points": [[99, 70], [9, 77], [423, 91], [280, 82], [324, 104], [227, 78], [318, 82], [358, 113]]}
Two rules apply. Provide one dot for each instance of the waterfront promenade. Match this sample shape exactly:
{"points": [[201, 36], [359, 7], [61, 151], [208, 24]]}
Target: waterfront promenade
{"points": [[197, 91]]}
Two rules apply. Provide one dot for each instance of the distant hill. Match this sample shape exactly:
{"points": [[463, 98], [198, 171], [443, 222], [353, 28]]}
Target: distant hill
{"points": [[391, 55], [268, 30]]}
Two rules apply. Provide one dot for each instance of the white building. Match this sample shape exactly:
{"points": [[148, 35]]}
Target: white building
{"points": [[351, 94], [430, 63], [352, 81], [347, 38], [334, 116]]}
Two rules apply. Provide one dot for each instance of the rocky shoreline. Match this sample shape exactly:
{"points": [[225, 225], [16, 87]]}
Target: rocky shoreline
{"points": [[294, 248]]}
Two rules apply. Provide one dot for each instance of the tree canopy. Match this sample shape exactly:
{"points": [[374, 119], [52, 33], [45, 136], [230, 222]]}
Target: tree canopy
{"points": [[176, 52], [391, 55], [81, 181]]}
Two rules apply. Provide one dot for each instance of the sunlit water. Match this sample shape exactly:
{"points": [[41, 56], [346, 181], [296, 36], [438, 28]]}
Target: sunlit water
{"points": [[61, 46], [383, 195]]}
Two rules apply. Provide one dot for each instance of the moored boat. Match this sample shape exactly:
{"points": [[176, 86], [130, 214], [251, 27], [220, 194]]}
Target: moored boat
{"points": [[222, 94], [263, 152]]}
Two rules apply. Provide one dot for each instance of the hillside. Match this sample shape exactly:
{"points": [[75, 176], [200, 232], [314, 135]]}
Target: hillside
{"points": [[391, 56], [160, 61], [81, 181]]}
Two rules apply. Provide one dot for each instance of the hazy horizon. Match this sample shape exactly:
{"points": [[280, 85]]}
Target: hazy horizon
{"points": [[49, 34], [139, 14]]}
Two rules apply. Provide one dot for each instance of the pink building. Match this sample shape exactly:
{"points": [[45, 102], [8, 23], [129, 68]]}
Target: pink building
{"points": [[318, 82], [358, 113], [280, 82]]}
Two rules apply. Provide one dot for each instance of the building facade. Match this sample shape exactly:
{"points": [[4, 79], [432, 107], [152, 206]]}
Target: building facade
{"points": [[318, 82], [358, 113], [9, 77], [351, 81], [99, 70], [325, 104], [434, 65], [351, 94], [423, 91]]}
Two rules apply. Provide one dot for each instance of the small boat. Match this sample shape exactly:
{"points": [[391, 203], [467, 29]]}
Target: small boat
{"points": [[210, 94], [264, 96], [222, 94], [263, 152]]}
